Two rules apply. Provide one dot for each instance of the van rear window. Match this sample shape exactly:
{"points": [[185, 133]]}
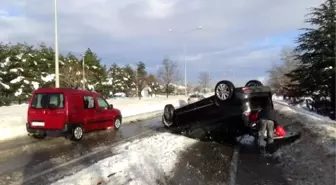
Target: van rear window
{"points": [[48, 100]]}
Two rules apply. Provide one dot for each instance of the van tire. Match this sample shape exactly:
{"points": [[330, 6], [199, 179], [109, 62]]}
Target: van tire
{"points": [[77, 133], [117, 126], [39, 135]]}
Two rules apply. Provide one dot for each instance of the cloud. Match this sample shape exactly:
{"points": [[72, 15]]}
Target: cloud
{"points": [[243, 36]]}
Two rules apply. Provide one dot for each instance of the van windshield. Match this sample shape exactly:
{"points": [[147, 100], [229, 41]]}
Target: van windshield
{"points": [[48, 100]]}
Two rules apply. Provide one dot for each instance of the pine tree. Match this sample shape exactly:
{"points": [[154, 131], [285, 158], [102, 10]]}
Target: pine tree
{"points": [[129, 81], [97, 73], [141, 76], [316, 72], [153, 84]]}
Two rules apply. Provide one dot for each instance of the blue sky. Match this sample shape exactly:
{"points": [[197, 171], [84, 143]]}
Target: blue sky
{"points": [[239, 40]]}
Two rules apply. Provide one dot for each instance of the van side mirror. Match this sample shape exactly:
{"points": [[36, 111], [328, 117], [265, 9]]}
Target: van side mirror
{"points": [[110, 106]]}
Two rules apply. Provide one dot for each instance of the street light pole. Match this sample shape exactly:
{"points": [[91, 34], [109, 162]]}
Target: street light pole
{"points": [[185, 57], [57, 83], [185, 70]]}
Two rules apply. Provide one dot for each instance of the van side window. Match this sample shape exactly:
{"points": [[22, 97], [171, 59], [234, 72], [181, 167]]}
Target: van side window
{"points": [[88, 102], [102, 103]]}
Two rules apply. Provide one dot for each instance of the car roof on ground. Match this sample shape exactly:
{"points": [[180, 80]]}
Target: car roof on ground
{"points": [[60, 90]]}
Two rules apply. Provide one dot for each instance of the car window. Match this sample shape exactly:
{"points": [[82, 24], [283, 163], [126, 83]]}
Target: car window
{"points": [[102, 103], [48, 100], [193, 96], [88, 102]]}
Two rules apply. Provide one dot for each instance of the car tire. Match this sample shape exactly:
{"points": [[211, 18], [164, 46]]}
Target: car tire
{"points": [[77, 133], [224, 90], [117, 123], [41, 135], [252, 83], [168, 115]]}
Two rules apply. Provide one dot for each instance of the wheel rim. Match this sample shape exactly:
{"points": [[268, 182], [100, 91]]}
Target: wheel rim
{"points": [[78, 132], [117, 123], [223, 91]]}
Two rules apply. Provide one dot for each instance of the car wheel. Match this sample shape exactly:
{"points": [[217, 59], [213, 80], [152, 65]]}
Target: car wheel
{"points": [[41, 135], [117, 123], [168, 115], [224, 90], [252, 83], [77, 133]]}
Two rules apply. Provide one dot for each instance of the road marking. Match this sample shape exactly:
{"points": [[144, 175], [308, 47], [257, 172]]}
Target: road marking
{"points": [[83, 157], [234, 166]]}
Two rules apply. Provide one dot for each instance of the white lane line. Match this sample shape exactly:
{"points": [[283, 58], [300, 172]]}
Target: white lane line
{"points": [[234, 166], [82, 157]]}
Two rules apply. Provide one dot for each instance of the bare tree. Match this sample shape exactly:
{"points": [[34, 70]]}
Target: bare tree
{"points": [[277, 75], [167, 74], [204, 80], [71, 75]]}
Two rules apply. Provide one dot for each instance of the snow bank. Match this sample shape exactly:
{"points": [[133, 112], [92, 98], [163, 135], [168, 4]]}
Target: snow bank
{"points": [[13, 118], [311, 159], [146, 161], [322, 127]]}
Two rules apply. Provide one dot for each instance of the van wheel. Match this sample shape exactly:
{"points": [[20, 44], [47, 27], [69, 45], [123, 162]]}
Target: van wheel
{"points": [[41, 135], [117, 123], [77, 133]]}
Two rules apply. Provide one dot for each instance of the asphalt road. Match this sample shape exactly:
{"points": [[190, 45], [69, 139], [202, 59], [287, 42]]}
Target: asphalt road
{"points": [[30, 161]]}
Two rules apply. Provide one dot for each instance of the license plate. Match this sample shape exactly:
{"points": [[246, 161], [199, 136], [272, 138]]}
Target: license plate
{"points": [[37, 123]]}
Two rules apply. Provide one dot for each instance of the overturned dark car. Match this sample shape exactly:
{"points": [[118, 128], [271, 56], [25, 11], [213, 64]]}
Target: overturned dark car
{"points": [[234, 110]]}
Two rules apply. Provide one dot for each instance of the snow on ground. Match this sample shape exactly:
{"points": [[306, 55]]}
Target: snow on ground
{"points": [[13, 118], [147, 161], [311, 159]]}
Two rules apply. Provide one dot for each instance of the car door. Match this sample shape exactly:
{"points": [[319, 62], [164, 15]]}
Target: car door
{"points": [[105, 118], [89, 116]]}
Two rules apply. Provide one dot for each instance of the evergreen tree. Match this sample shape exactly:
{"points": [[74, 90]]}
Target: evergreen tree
{"points": [[129, 81], [141, 76], [153, 84], [97, 72], [316, 47]]}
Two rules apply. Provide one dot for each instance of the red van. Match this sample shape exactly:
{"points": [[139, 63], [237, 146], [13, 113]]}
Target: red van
{"points": [[70, 113]]}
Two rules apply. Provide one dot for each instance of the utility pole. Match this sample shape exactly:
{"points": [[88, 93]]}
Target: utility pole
{"points": [[83, 71], [57, 83]]}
